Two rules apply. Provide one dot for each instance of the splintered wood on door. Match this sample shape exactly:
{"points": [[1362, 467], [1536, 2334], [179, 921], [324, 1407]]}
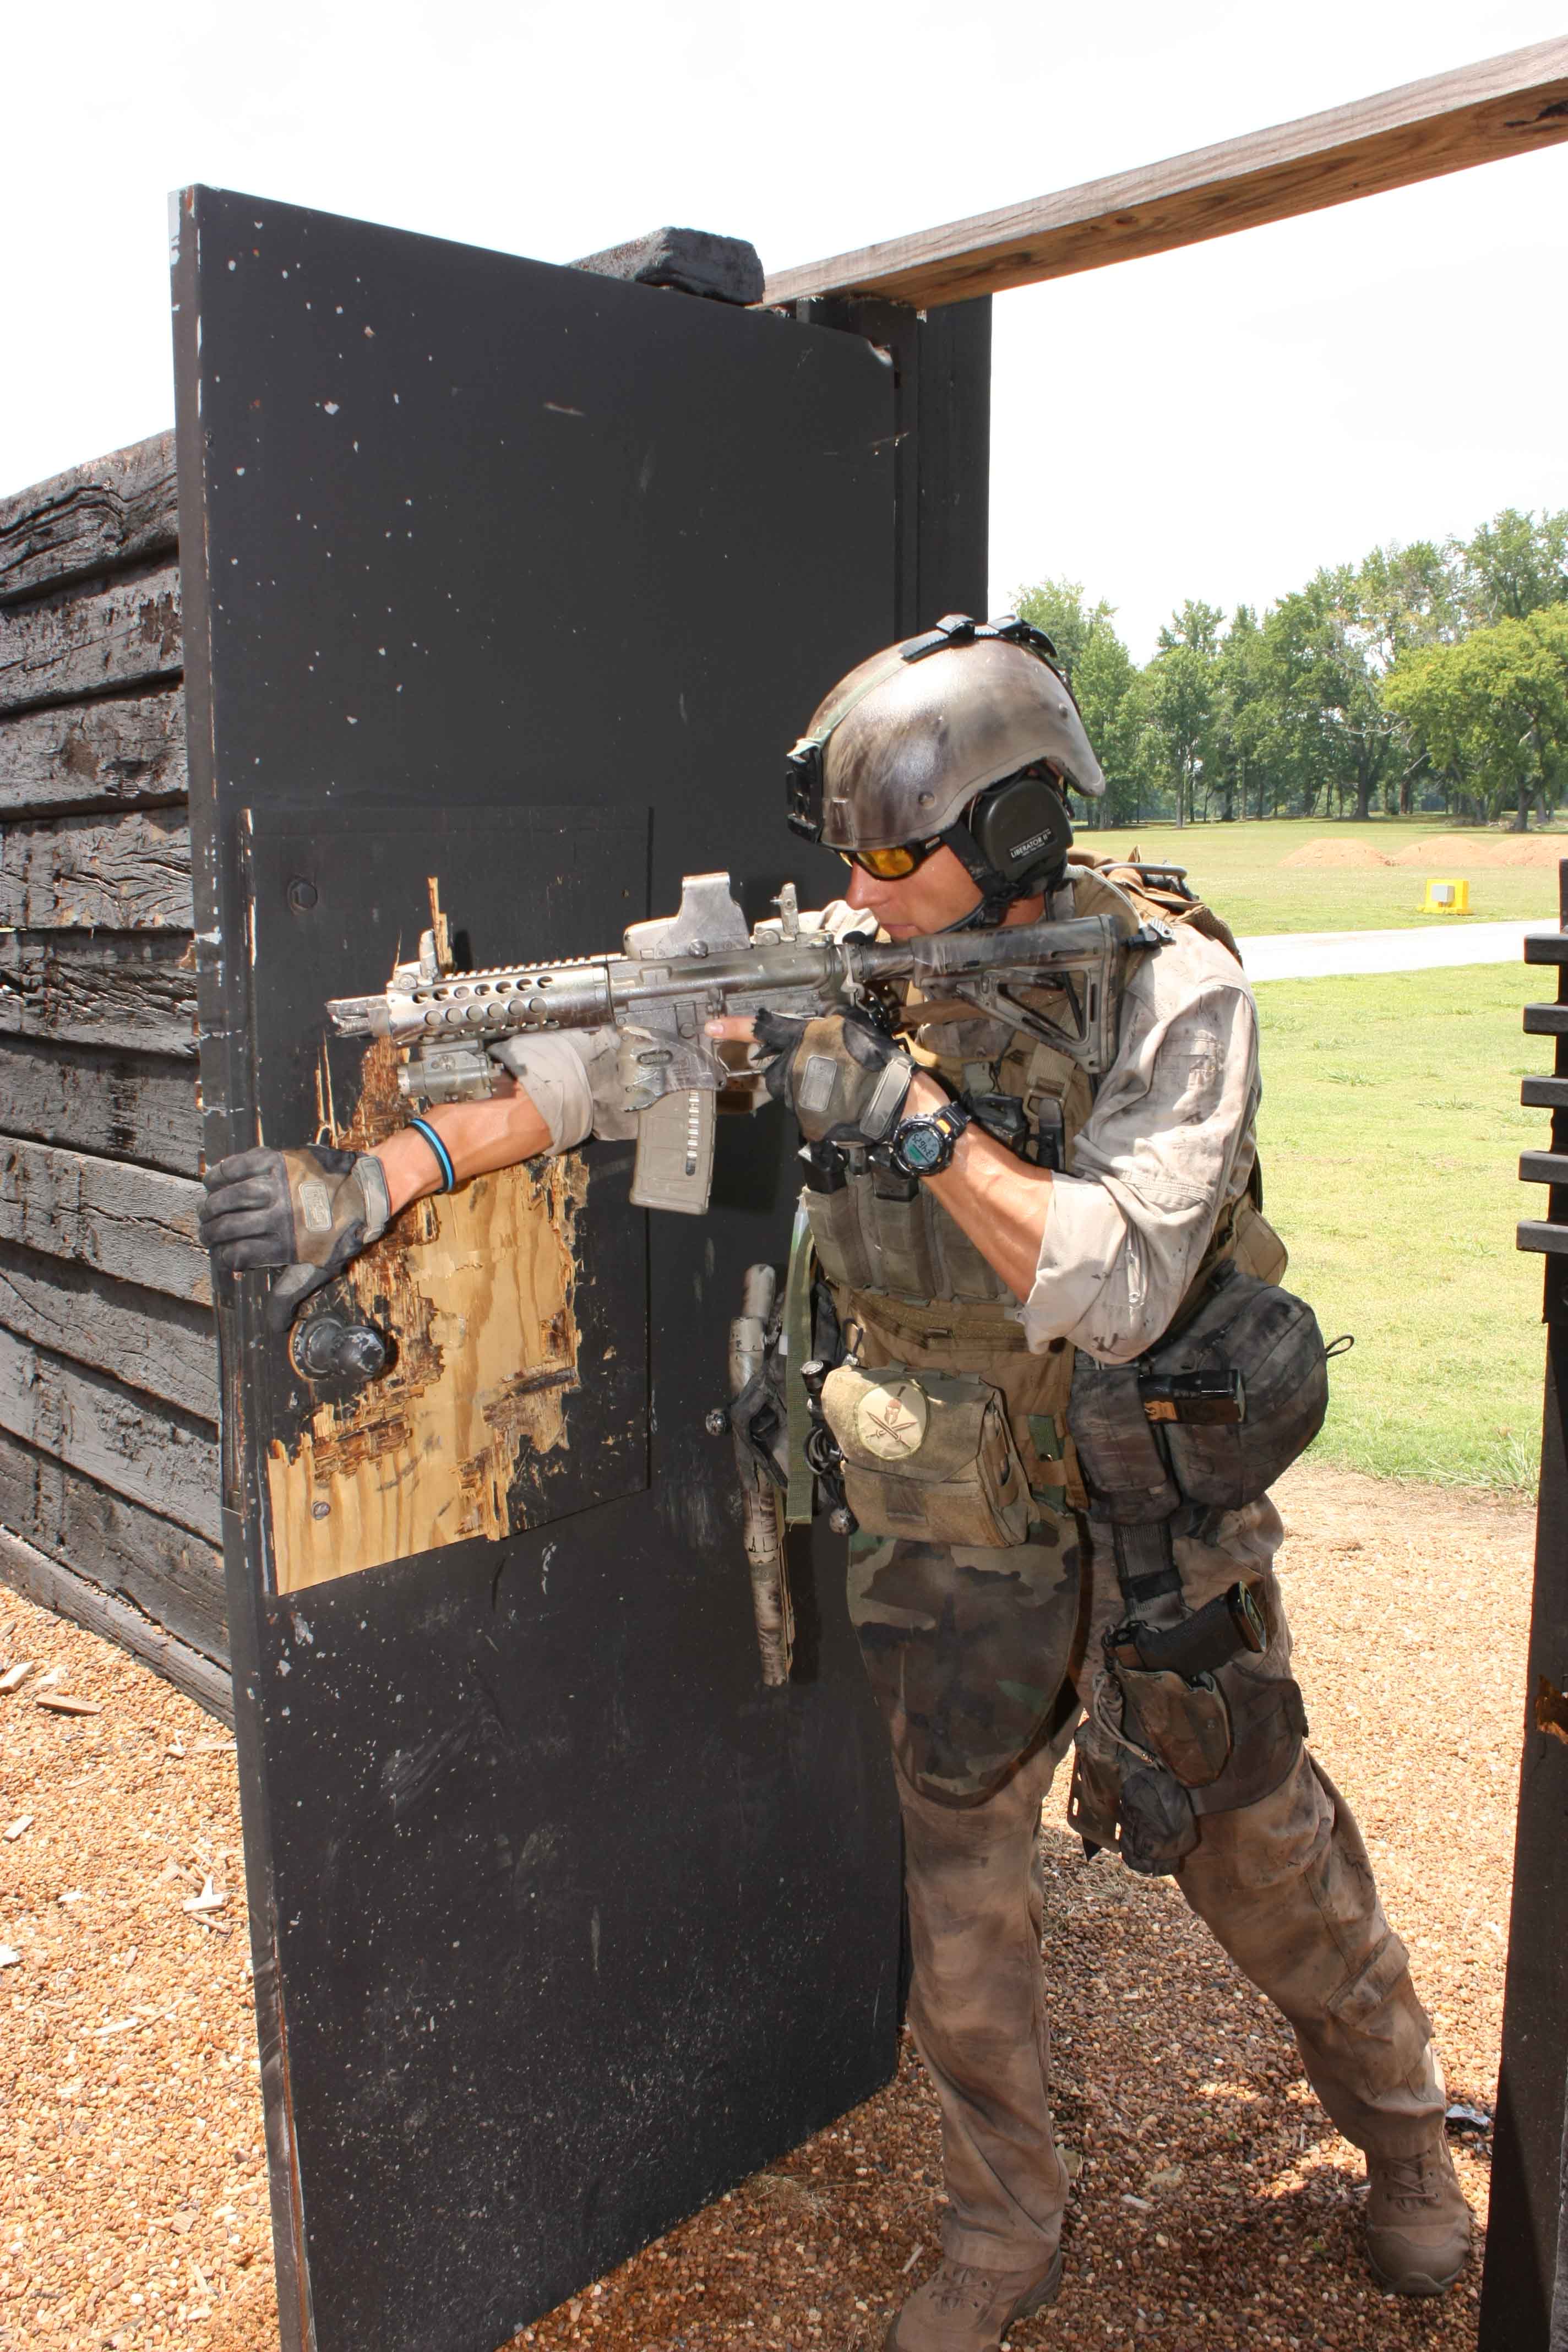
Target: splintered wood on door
{"points": [[486, 1275], [510, 1398]]}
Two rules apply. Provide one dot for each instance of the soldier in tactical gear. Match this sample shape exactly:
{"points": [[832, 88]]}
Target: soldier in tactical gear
{"points": [[1007, 1235]]}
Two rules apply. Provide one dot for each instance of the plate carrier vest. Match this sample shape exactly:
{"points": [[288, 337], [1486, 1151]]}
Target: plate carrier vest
{"points": [[910, 1287]]}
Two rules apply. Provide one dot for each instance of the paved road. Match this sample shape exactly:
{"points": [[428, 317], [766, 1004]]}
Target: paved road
{"points": [[1317, 955]]}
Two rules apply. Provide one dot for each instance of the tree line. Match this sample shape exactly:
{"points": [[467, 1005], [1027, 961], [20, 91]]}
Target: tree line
{"points": [[1423, 679]]}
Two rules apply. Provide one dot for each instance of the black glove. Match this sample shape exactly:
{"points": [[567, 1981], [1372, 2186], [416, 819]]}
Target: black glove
{"points": [[308, 1212], [845, 1081]]}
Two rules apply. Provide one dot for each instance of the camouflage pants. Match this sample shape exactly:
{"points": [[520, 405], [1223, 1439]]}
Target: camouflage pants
{"points": [[1284, 1884], [968, 1648]]}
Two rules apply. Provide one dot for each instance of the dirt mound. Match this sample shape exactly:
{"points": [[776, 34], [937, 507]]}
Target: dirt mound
{"points": [[1460, 850], [1530, 849], [1335, 853], [1449, 853]]}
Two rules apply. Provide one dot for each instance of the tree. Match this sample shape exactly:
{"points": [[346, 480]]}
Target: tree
{"points": [[1493, 708], [1177, 700], [1242, 726], [1407, 596], [1514, 565], [1296, 710], [1196, 625], [1060, 608], [1100, 671]]}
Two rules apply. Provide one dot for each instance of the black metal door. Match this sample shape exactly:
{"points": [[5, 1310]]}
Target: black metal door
{"points": [[515, 580]]}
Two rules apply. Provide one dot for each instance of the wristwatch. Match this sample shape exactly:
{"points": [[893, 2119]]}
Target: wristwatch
{"points": [[924, 1145]]}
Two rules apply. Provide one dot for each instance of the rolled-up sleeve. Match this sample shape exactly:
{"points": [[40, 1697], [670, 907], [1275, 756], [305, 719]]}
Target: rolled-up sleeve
{"points": [[1168, 1144], [573, 1078]]}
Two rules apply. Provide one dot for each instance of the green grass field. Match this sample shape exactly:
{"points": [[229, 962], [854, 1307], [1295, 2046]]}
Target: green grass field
{"points": [[1238, 868], [1389, 1138]]}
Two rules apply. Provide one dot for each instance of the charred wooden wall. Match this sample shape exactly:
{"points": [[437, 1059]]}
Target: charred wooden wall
{"points": [[109, 1472]]}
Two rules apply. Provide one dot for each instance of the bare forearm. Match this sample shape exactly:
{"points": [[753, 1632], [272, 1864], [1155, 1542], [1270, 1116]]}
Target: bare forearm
{"points": [[997, 1199], [479, 1137]]}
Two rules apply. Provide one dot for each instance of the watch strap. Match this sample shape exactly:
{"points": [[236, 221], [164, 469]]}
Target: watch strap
{"points": [[950, 1121]]}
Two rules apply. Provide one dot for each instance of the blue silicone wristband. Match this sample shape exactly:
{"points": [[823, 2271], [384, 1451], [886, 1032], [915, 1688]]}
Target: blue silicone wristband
{"points": [[448, 1173]]}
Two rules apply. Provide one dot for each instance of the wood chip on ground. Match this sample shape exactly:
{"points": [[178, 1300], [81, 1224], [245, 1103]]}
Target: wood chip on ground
{"points": [[1214, 2209]]}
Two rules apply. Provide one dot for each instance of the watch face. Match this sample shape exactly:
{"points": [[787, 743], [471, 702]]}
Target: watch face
{"points": [[923, 1145]]}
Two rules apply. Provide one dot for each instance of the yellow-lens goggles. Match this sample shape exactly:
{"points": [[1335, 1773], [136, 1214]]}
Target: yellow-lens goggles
{"points": [[891, 865]]}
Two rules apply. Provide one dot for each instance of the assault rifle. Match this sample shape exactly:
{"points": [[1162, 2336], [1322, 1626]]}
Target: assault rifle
{"points": [[680, 970]]}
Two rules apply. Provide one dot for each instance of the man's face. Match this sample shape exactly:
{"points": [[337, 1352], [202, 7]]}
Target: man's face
{"points": [[936, 894]]}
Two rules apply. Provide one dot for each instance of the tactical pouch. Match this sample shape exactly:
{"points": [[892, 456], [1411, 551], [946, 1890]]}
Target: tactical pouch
{"points": [[1268, 1723], [1271, 1338], [1155, 1818], [1244, 1326], [929, 1459], [1185, 1724], [1094, 1795], [834, 1212]]}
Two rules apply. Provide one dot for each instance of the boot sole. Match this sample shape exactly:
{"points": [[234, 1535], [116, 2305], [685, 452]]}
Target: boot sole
{"points": [[1050, 2286], [1416, 2283]]}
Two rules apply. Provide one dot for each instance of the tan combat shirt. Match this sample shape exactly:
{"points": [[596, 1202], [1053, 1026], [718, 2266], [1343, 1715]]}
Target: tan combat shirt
{"points": [[1168, 1144]]}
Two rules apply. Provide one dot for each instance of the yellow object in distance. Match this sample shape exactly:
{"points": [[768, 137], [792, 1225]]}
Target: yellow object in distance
{"points": [[1447, 899]]}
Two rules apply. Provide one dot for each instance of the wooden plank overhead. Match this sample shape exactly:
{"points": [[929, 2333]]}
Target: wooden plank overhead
{"points": [[1504, 106]]}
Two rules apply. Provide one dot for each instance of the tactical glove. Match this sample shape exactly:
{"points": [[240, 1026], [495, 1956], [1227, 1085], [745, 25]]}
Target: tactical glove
{"points": [[845, 1081], [308, 1212]]}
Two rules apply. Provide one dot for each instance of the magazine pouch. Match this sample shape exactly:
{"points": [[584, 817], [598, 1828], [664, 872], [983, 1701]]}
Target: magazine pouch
{"points": [[928, 1457]]}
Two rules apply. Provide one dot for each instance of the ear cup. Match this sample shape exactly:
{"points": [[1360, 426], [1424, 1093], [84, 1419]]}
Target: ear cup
{"points": [[1021, 828]]}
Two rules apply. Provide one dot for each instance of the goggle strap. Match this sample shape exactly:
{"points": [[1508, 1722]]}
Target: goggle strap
{"points": [[840, 711]]}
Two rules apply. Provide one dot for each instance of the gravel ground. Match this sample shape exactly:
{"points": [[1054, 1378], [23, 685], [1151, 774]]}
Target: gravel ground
{"points": [[1215, 2206]]}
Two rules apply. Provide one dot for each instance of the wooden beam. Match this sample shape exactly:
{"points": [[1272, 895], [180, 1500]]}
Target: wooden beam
{"points": [[1504, 106], [121, 753], [130, 992], [167, 1573], [96, 640], [166, 1346], [121, 873], [62, 1590], [132, 1225], [115, 1106], [114, 511], [153, 1455]]}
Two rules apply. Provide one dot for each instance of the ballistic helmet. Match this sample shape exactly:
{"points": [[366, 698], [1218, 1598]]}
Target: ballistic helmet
{"points": [[968, 735]]}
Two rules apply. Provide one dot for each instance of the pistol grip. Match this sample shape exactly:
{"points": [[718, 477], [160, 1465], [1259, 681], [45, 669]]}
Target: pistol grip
{"points": [[675, 1152]]}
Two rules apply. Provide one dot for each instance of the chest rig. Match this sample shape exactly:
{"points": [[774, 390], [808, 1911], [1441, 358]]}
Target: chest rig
{"points": [[883, 1237], [908, 1285]]}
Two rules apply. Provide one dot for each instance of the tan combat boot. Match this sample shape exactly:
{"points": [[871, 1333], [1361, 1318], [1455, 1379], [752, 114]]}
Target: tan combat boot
{"points": [[963, 2309], [1417, 2222]]}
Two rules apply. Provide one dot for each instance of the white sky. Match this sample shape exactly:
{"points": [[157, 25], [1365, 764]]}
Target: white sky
{"points": [[1213, 423]]}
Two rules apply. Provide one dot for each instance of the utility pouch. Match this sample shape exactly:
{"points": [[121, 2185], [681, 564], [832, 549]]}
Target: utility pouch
{"points": [[1186, 1724], [1157, 1823], [832, 1206], [1268, 1723], [1210, 1416], [929, 1459], [1093, 1798], [1272, 1338]]}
